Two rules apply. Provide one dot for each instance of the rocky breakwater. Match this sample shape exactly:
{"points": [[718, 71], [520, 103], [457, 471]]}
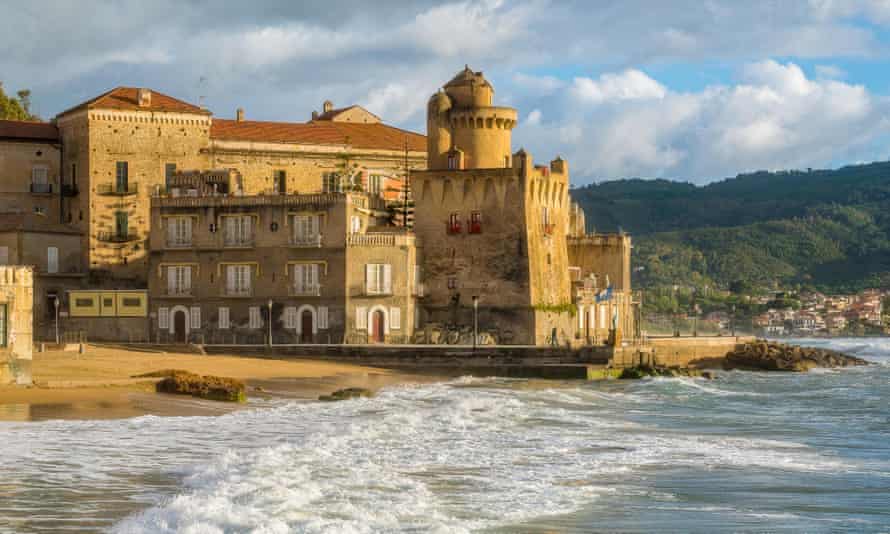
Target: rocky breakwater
{"points": [[770, 356]]}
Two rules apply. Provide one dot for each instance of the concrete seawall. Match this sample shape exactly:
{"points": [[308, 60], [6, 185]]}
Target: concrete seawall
{"points": [[683, 351]]}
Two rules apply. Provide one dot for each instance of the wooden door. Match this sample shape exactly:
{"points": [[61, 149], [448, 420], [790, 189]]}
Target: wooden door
{"points": [[179, 326], [306, 327], [377, 323]]}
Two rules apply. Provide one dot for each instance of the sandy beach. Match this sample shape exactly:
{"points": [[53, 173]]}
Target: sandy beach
{"points": [[99, 384]]}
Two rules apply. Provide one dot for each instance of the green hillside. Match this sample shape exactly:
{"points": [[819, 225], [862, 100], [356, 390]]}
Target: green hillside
{"points": [[826, 229]]}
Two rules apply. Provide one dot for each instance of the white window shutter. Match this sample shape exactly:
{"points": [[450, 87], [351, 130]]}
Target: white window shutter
{"points": [[322, 318], [289, 313], [369, 278], [581, 317], [187, 237], [186, 279], [387, 278], [314, 270], [52, 260], [361, 317], [171, 280], [171, 231], [395, 318], [195, 320], [223, 318], [163, 318]]}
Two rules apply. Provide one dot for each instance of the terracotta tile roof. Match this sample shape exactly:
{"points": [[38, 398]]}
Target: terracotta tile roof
{"points": [[357, 135], [125, 98], [27, 222], [29, 131]]}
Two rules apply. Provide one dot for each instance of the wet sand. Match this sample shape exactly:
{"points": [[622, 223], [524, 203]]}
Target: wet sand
{"points": [[99, 384]]}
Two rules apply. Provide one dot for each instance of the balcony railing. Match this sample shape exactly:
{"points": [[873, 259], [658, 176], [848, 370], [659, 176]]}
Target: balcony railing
{"points": [[238, 291], [305, 290], [117, 237], [179, 243], [308, 241], [70, 190], [238, 241], [118, 189], [42, 189], [179, 292]]}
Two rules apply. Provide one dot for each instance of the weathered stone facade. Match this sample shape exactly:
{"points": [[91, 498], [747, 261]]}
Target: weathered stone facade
{"points": [[217, 261], [16, 344], [29, 169]]}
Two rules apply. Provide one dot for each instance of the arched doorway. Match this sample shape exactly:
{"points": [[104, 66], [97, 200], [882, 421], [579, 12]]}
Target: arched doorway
{"points": [[306, 324], [378, 327], [179, 326]]}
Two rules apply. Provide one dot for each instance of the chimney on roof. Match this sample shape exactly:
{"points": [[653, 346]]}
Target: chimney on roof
{"points": [[143, 97], [327, 106], [314, 115], [239, 115]]}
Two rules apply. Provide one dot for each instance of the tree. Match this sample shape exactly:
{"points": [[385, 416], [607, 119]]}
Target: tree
{"points": [[16, 108]]}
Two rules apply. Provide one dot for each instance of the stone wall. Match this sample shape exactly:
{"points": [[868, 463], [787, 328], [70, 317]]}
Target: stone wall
{"points": [[682, 351], [16, 345], [17, 159]]}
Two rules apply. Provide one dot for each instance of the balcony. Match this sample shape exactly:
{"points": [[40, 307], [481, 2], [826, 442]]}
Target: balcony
{"points": [[453, 227], [305, 290], [305, 241], [41, 189], [179, 243], [238, 292], [70, 190], [118, 189], [238, 242], [117, 237], [179, 292]]}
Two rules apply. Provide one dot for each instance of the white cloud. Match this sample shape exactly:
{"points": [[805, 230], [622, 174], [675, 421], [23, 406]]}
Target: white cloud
{"points": [[776, 117], [628, 85], [534, 117]]}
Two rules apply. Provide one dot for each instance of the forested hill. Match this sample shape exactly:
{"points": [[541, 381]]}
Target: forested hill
{"points": [[822, 228]]}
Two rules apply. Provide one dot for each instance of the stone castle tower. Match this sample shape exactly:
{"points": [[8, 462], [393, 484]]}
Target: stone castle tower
{"points": [[492, 224], [464, 129]]}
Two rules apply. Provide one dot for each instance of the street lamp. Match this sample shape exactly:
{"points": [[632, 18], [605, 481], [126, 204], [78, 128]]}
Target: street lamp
{"points": [[270, 322], [475, 320], [56, 304]]}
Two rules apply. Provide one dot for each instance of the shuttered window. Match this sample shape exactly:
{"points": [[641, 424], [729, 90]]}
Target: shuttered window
{"points": [[163, 318], [223, 318], [361, 318], [179, 231], [238, 230], [255, 321], [179, 280], [395, 318], [238, 281], [306, 279], [322, 318], [306, 230], [290, 318], [52, 260], [195, 319], [581, 317], [378, 279]]}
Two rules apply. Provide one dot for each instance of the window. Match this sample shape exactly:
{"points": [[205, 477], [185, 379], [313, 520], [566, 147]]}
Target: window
{"points": [[40, 177], [306, 279], [52, 260], [475, 223], [254, 320], [454, 223], [361, 318], [179, 231], [121, 224], [395, 318], [452, 282], [375, 184], [507, 161], [179, 280], [290, 318], [223, 318], [322, 318], [122, 176], [378, 278], [279, 181], [39, 210], [332, 183], [4, 255], [452, 161], [195, 319], [355, 225], [131, 302], [169, 171], [238, 230], [238, 280], [306, 230], [163, 318]]}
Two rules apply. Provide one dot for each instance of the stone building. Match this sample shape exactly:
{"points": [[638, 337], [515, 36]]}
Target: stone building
{"points": [[329, 266], [120, 148], [16, 344], [495, 227], [29, 169]]}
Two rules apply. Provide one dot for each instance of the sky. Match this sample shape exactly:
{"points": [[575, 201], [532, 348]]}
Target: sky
{"points": [[692, 90]]}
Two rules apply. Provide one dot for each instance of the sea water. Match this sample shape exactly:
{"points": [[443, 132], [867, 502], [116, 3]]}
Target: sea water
{"points": [[747, 452]]}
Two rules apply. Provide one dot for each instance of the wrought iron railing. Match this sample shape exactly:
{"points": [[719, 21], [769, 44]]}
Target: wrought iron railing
{"points": [[130, 188]]}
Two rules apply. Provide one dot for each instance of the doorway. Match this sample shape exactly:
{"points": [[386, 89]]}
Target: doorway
{"points": [[179, 327], [378, 335], [306, 327]]}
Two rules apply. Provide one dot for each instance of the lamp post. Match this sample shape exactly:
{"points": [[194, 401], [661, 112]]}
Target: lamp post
{"points": [[56, 304], [270, 322], [475, 320]]}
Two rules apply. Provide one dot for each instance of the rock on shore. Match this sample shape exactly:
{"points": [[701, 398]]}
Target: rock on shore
{"points": [[201, 386], [771, 356]]}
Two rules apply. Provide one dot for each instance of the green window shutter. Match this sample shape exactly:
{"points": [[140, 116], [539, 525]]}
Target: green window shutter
{"points": [[121, 223]]}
